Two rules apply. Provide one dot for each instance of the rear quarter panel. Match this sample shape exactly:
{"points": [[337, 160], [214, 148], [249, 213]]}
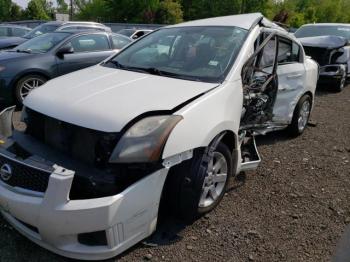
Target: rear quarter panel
{"points": [[312, 74]]}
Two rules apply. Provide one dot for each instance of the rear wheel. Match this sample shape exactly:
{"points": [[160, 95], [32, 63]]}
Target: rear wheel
{"points": [[26, 84], [301, 116], [197, 186]]}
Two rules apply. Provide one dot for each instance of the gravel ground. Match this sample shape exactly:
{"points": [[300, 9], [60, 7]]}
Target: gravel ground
{"points": [[295, 207]]}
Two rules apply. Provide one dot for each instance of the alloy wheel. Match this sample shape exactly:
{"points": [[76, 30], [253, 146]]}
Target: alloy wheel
{"points": [[28, 85], [304, 115], [214, 182]]}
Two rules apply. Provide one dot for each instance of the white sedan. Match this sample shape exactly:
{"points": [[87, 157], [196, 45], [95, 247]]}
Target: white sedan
{"points": [[170, 118]]}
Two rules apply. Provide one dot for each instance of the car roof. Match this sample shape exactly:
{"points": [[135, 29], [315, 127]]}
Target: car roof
{"points": [[60, 23], [327, 24], [15, 26], [79, 31], [245, 21]]}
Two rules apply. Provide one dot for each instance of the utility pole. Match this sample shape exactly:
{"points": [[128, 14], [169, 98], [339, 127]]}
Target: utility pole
{"points": [[242, 6], [71, 11]]}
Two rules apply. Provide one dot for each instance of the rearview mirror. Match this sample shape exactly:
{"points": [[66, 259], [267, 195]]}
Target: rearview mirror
{"points": [[67, 49]]}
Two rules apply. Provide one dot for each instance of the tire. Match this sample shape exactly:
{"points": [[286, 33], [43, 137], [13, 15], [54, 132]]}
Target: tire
{"points": [[25, 85], [340, 84], [301, 116], [188, 182]]}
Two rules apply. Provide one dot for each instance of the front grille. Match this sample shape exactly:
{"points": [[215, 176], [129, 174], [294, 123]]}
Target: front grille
{"points": [[320, 55], [24, 176], [89, 146]]}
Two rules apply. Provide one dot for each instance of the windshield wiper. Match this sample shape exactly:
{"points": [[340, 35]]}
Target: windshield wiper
{"points": [[150, 70], [153, 71], [115, 63]]}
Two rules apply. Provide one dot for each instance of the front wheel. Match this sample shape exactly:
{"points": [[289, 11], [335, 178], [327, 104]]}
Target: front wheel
{"points": [[197, 186], [340, 84], [26, 84], [301, 116]]}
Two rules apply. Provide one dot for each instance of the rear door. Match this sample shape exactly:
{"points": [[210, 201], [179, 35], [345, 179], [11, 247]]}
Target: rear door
{"points": [[291, 78], [89, 50]]}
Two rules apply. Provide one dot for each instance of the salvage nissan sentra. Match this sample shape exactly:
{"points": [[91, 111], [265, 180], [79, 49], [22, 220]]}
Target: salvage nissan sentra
{"points": [[170, 118]]}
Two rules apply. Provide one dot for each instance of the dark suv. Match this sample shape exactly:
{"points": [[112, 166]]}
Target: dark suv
{"points": [[328, 45]]}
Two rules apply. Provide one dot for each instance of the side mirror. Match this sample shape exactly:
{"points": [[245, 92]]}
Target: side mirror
{"points": [[67, 49]]}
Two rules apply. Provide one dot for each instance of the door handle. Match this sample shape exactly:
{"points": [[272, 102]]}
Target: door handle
{"points": [[281, 89], [294, 76]]}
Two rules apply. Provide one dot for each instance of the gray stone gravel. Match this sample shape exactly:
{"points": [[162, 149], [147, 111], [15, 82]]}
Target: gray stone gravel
{"points": [[295, 207]]}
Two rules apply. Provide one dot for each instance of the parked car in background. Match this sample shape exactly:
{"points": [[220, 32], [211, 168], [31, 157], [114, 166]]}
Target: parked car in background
{"points": [[328, 44], [11, 30], [32, 63], [103, 147], [8, 43], [134, 33]]}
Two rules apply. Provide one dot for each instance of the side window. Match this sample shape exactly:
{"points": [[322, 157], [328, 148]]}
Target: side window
{"points": [[268, 54], [3, 31], [284, 51], [18, 31], [90, 43], [295, 52], [119, 42]]}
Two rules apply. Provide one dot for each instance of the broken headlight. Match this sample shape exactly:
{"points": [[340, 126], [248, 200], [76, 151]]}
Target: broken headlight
{"points": [[145, 140]]}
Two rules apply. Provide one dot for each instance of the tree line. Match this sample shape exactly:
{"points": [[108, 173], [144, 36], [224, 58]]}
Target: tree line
{"points": [[290, 12]]}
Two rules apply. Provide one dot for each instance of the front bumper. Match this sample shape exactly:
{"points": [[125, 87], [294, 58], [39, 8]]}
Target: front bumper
{"points": [[54, 222], [331, 73]]}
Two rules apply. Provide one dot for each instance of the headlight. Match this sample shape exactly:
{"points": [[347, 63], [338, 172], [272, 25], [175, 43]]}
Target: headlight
{"points": [[145, 140]]}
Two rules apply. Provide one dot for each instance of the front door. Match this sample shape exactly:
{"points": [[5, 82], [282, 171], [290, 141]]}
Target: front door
{"points": [[260, 83], [89, 50]]}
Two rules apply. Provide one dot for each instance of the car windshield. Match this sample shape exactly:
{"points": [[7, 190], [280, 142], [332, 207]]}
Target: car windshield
{"points": [[40, 30], [323, 30], [42, 44], [126, 32], [193, 53]]}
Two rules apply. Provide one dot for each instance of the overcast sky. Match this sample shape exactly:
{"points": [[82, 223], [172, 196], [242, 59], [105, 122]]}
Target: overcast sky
{"points": [[24, 3]]}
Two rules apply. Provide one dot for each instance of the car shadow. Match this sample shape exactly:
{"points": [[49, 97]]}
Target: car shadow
{"points": [[169, 228], [272, 138], [324, 90]]}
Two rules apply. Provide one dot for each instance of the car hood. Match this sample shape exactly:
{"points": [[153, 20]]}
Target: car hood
{"points": [[11, 41], [106, 99], [327, 42]]}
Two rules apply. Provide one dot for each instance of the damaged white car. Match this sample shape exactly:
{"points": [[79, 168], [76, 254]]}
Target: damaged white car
{"points": [[170, 118]]}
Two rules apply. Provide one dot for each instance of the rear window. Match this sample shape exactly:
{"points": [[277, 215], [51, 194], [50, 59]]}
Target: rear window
{"points": [[40, 30]]}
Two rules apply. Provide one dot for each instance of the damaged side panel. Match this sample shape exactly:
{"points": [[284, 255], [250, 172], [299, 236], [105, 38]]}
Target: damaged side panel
{"points": [[260, 83]]}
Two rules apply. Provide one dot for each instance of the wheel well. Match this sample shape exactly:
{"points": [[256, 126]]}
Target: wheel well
{"points": [[309, 94], [229, 139]]}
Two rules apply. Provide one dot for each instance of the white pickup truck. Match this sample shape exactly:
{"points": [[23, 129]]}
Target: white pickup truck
{"points": [[170, 118]]}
